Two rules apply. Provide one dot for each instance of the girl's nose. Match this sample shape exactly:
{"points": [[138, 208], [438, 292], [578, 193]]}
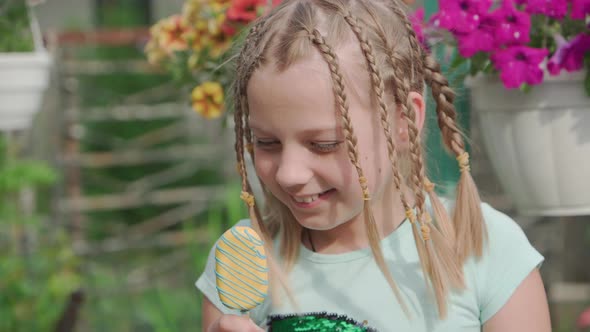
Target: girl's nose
{"points": [[293, 170]]}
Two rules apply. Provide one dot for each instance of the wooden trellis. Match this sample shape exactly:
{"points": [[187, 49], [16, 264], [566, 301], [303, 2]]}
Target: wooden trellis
{"points": [[203, 146]]}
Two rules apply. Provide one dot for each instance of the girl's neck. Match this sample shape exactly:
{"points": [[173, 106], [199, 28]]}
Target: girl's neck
{"points": [[388, 211]]}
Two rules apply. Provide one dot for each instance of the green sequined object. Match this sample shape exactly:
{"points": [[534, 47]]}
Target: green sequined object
{"points": [[316, 322]]}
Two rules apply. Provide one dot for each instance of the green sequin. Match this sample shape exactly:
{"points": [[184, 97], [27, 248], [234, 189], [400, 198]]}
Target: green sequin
{"points": [[316, 322]]}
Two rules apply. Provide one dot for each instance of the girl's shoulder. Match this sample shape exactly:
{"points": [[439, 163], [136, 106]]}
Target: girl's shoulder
{"points": [[503, 232], [505, 241], [508, 258], [498, 224]]}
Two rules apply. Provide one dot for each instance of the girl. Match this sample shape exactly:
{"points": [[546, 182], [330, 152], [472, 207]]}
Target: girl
{"points": [[329, 105]]}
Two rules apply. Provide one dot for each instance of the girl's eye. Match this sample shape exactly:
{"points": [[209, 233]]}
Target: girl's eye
{"points": [[325, 147], [266, 144]]}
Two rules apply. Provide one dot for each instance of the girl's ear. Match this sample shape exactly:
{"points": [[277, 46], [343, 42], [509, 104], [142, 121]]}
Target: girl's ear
{"points": [[401, 124]]}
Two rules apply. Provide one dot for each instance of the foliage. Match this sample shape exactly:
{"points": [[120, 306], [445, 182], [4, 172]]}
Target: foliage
{"points": [[158, 295], [37, 265], [521, 40], [195, 47], [15, 29]]}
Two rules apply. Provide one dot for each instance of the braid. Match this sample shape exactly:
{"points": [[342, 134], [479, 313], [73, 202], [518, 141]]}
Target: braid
{"points": [[378, 89], [467, 217], [444, 97], [404, 86], [242, 131], [341, 99], [253, 39], [469, 225], [441, 267], [241, 111], [441, 274], [418, 56], [415, 48], [340, 95], [290, 33]]}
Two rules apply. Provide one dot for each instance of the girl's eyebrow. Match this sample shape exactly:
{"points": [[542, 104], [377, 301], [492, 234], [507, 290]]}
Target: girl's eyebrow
{"points": [[317, 131], [308, 131], [256, 128]]}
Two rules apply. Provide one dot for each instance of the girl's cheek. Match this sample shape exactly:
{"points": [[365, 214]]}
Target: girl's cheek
{"points": [[264, 167]]}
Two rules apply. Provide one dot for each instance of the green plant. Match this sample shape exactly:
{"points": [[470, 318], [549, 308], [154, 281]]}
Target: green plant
{"points": [[15, 27], [37, 266]]}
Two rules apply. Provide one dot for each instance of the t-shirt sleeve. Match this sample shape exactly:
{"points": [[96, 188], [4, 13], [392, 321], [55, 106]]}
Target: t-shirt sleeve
{"points": [[507, 260]]}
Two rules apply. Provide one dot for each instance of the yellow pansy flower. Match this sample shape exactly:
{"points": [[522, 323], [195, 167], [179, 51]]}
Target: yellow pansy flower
{"points": [[207, 99]]}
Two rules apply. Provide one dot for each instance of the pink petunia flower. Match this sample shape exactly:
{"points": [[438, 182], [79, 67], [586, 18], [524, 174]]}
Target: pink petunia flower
{"points": [[512, 25], [583, 321], [552, 8], [479, 40], [580, 8], [569, 55], [417, 20], [460, 16], [519, 64]]}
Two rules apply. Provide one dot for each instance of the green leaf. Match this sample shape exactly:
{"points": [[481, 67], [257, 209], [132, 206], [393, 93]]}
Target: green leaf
{"points": [[15, 28], [18, 174], [525, 88], [479, 62], [457, 62]]}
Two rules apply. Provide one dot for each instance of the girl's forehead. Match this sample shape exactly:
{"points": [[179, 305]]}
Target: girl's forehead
{"points": [[301, 92], [310, 81], [299, 100]]}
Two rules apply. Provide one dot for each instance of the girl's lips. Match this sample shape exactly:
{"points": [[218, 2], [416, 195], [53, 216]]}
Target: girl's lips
{"points": [[321, 197]]}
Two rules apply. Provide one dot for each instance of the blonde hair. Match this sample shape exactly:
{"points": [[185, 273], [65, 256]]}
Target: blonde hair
{"points": [[397, 65]]}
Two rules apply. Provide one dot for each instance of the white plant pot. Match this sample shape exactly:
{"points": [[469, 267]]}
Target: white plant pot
{"points": [[538, 142], [24, 77]]}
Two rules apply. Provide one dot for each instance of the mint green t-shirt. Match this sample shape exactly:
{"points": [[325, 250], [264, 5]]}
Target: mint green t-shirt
{"points": [[351, 284]]}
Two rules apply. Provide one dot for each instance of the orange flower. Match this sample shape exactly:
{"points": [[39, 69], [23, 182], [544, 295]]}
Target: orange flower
{"points": [[207, 99], [173, 34], [220, 40], [210, 33], [191, 10], [199, 36], [155, 54]]}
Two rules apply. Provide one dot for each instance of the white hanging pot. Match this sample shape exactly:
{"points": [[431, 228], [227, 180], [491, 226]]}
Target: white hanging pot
{"points": [[24, 77], [538, 142]]}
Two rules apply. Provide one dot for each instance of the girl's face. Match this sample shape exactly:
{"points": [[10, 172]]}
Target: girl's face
{"points": [[300, 146]]}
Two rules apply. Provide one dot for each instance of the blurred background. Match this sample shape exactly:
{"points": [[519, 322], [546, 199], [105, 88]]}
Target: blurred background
{"points": [[116, 177]]}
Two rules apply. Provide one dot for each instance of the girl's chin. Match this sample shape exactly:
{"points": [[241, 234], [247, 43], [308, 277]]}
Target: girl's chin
{"points": [[317, 223]]}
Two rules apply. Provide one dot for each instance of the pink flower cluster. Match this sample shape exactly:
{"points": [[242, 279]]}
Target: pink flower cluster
{"points": [[504, 33]]}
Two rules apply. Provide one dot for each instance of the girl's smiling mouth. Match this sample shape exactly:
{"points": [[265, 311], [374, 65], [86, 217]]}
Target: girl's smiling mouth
{"points": [[310, 201]]}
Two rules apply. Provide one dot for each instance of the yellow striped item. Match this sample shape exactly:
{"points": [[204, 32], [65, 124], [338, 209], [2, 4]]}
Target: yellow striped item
{"points": [[241, 269]]}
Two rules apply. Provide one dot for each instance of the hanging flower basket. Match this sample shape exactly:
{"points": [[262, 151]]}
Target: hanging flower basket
{"points": [[24, 76], [538, 142], [527, 63]]}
